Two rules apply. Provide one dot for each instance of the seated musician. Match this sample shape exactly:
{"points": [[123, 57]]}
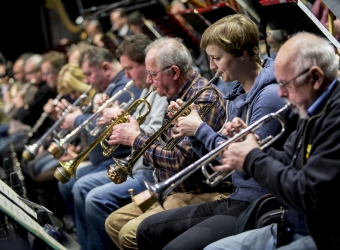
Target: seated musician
{"points": [[254, 96], [305, 174], [169, 67], [103, 71], [95, 195]]}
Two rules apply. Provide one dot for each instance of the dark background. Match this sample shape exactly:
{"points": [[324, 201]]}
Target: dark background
{"points": [[25, 25]]}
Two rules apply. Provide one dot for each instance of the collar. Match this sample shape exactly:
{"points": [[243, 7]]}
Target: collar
{"points": [[316, 107], [186, 86], [124, 30]]}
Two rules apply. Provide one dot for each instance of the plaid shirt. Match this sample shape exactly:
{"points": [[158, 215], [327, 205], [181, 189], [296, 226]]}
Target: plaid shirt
{"points": [[168, 163]]}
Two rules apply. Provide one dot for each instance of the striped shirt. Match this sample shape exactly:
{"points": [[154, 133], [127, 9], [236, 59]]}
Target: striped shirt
{"points": [[168, 163]]}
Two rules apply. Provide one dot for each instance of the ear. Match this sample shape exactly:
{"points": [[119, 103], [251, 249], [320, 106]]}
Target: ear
{"points": [[175, 71], [317, 78], [106, 66], [244, 54]]}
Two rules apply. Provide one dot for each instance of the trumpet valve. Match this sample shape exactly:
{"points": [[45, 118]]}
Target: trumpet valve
{"points": [[62, 175]]}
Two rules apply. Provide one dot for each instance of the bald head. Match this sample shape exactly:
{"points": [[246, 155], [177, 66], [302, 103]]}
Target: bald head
{"points": [[305, 50]]}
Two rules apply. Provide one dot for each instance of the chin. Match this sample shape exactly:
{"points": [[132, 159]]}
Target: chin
{"points": [[303, 114]]}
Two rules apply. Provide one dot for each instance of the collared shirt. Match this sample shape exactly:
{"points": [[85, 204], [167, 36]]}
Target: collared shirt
{"points": [[316, 107], [168, 163]]}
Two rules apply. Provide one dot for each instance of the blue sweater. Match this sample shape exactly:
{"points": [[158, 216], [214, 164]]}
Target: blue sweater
{"points": [[261, 100], [117, 83]]}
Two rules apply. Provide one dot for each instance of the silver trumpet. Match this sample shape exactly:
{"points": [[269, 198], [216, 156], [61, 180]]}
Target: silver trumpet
{"points": [[99, 129], [59, 146], [160, 190], [31, 151]]}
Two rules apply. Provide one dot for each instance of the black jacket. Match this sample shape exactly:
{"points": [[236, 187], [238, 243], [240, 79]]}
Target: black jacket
{"points": [[309, 185]]}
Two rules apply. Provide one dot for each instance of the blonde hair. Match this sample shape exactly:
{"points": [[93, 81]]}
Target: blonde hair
{"points": [[71, 78], [235, 34]]}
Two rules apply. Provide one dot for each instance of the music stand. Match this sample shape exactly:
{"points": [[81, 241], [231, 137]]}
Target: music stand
{"points": [[202, 18], [169, 25], [293, 16]]}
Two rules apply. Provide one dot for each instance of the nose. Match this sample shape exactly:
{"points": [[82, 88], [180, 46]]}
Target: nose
{"points": [[213, 65], [149, 79], [282, 92]]}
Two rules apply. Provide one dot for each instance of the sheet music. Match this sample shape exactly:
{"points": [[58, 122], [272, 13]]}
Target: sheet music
{"points": [[330, 37], [15, 212], [11, 194], [10, 209]]}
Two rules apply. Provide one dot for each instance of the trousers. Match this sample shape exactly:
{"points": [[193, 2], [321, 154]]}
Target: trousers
{"points": [[262, 239], [190, 227], [122, 224], [95, 197]]}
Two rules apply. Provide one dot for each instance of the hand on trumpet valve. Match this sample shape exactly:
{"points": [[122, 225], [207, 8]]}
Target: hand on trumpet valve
{"points": [[187, 125], [50, 109], [233, 127], [232, 157], [125, 133], [68, 122], [100, 99]]}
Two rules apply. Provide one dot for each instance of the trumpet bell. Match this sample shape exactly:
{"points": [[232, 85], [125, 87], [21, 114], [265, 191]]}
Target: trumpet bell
{"points": [[157, 192], [118, 172], [56, 150], [64, 172], [28, 153]]}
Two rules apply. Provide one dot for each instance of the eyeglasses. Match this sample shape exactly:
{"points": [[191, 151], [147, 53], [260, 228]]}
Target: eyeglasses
{"points": [[153, 75], [48, 73], [284, 85]]}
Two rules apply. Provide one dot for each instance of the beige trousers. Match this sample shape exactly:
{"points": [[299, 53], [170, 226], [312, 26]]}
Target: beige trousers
{"points": [[122, 224]]}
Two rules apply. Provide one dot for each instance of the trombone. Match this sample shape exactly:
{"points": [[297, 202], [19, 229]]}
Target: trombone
{"points": [[160, 190], [58, 147], [68, 169], [31, 151], [118, 172]]}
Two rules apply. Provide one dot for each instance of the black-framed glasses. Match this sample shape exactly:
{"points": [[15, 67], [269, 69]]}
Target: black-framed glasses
{"points": [[284, 85], [153, 75]]}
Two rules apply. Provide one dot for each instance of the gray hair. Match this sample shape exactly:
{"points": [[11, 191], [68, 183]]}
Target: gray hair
{"points": [[319, 52], [36, 59], [171, 51]]}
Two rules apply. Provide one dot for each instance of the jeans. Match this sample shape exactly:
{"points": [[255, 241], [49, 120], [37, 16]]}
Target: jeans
{"points": [[263, 239], [95, 197], [65, 189], [4, 142], [45, 162]]}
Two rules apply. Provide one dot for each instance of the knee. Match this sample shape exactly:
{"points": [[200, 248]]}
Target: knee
{"points": [[110, 226], [127, 235]]}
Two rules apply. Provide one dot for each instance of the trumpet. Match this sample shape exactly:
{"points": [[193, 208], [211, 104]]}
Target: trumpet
{"points": [[160, 190], [58, 147], [68, 169], [30, 151], [118, 172], [41, 119]]}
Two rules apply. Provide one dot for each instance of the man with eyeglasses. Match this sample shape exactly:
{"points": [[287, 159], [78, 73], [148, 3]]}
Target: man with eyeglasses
{"points": [[169, 68], [305, 175]]}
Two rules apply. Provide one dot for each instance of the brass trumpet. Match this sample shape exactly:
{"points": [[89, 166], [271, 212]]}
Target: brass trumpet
{"points": [[160, 190], [118, 172], [58, 147], [68, 169], [31, 151]]}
